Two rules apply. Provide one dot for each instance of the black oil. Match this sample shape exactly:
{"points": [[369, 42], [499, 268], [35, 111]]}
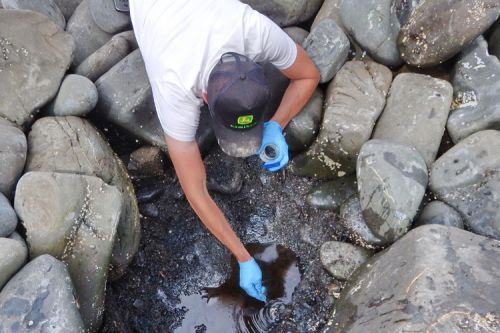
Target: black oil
{"points": [[228, 309]]}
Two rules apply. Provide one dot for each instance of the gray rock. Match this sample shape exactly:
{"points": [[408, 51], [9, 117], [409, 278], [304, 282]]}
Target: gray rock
{"points": [[147, 161], [494, 41], [15, 236], [392, 179], [46, 7], [129, 36], [466, 178], [108, 55], [297, 34], [8, 217], [437, 30], [375, 26], [332, 194], [76, 97], [342, 259], [330, 9], [355, 99], [40, 298], [476, 91], [328, 47], [285, 12], [107, 17], [126, 99], [67, 7], [73, 145], [31, 46], [87, 35], [12, 257], [13, 151], [304, 127], [351, 217], [73, 218], [416, 113], [437, 212], [435, 279]]}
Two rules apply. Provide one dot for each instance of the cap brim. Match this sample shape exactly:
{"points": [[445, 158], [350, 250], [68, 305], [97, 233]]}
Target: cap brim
{"points": [[238, 143]]}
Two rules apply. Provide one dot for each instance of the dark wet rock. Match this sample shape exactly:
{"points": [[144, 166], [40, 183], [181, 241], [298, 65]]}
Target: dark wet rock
{"points": [[8, 217], [297, 34], [126, 99], [494, 40], [392, 179], [214, 260], [332, 194], [351, 217], [435, 279], [375, 26], [87, 35], [354, 100], [44, 55], [476, 87], [149, 194], [13, 151], [108, 55], [304, 127], [67, 7], [437, 212], [73, 218], [150, 210], [12, 257], [40, 298], [437, 30], [284, 12], [416, 112], [328, 47], [404, 8], [46, 7], [466, 177], [107, 17], [147, 161], [330, 9], [73, 145], [77, 96], [342, 259], [228, 182]]}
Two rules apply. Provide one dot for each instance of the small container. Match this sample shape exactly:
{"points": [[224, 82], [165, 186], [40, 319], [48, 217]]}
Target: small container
{"points": [[269, 153]]}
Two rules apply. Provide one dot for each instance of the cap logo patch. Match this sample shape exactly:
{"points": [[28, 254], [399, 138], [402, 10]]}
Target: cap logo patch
{"points": [[245, 120]]}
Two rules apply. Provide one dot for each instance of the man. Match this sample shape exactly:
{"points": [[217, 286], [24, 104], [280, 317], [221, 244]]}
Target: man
{"points": [[205, 50]]}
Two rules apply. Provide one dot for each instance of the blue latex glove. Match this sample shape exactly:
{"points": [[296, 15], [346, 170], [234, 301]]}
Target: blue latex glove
{"points": [[272, 135], [251, 280]]}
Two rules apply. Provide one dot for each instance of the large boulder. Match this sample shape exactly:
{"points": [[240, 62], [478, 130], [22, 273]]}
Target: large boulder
{"points": [[416, 113], [437, 30], [354, 101], [330, 9], [40, 298], [46, 7], [34, 55], [286, 12], [435, 279], [12, 257], [13, 151], [466, 177], [476, 91], [73, 218]]}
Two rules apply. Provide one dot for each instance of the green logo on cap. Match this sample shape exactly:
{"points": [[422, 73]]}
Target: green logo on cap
{"points": [[245, 120]]}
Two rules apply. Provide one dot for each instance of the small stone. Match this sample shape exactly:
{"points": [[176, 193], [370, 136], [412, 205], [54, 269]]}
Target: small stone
{"points": [[342, 259], [147, 161], [331, 195], [437, 212], [77, 96], [150, 210]]}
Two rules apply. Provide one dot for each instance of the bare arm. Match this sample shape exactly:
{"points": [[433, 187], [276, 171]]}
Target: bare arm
{"points": [[190, 170]]}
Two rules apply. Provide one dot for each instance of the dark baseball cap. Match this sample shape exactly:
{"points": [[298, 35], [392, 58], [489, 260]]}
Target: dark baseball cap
{"points": [[237, 96]]}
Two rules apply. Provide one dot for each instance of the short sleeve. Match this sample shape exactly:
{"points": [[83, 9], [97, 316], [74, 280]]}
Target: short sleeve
{"points": [[179, 113]]}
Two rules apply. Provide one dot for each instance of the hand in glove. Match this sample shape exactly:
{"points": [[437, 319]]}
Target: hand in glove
{"points": [[273, 137], [251, 279]]}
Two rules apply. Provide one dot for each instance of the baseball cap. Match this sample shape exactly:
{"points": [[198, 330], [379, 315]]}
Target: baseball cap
{"points": [[237, 96]]}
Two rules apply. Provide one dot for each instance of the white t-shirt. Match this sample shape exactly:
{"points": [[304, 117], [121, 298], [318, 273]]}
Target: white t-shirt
{"points": [[182, 40]]}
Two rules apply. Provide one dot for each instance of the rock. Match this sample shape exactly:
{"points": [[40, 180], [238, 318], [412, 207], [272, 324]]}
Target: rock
{"points": [[87, 35], [285, 12], [147, 161], [404, 8], [331, 195], [129, 36], [392, 179], [8, 217], [354, 100], [73, 218], [328, 47], [107, 17], [67, 7], [13, 151], [126, 99], [150, 210], [351, 217], [297, 34], [76, 97], [228, 182], [415, 113], [330, 9], [46, 7], [304, 127], [73, 145], [437, 212], [435, 279], [108, 55], [494, 41], [465, 178], [476, 91], [31, 46], [12, 257], [437, 30], [40, 298], [15, 236], [342, 259], [375, 26]]}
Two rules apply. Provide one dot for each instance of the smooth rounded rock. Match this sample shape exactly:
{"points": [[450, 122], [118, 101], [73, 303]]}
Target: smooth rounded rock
{"points": [[15, 236], [331, 195], [297, 34], [330, 9], [494, 40], [13, 151], [286, 12], [67, 7], [46, 7], [76, 97], [437, 212], [8, 217], [12, 257], [342, 259], [107, 17], [148, 161]]}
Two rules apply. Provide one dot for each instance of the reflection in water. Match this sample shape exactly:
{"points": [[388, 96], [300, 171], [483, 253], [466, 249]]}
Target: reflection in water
{"points": [[228, 309]]}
